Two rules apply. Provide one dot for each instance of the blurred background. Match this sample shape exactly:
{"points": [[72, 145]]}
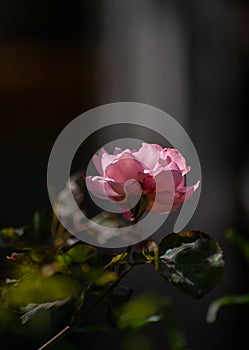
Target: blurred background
{"points": [[189, 59]]}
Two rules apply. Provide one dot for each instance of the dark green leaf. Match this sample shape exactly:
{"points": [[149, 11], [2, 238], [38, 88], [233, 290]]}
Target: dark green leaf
{"points": [[192, 261]]}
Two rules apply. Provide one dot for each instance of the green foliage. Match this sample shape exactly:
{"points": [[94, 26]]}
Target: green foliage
{"points": [[192, 261], [46, 269], [139, 312], [38, 289], [80, 253], [33, 309], [99, 276], [120, 259], [227, 300]]}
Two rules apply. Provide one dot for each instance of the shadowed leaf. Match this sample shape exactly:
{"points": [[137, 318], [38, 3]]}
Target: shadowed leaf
{"points": [[192, 261], [31, 310]]}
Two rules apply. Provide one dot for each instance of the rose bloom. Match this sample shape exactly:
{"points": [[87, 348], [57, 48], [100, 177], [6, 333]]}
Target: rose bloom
{"points": [[154, 172]]}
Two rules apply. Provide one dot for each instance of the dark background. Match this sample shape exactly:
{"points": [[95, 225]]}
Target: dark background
{"points": [[189, 58]]}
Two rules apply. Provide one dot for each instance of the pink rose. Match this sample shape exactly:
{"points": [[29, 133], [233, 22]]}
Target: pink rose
{"points": [[153, 171]]}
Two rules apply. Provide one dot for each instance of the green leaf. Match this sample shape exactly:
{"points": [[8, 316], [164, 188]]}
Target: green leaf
{"points": [[32, 309], [98, 276], [81, 253], [63, 259], [192, 261], [106, 277], [37, 289], [120, 259], [227, 300], [22, 264], [139, 312]]}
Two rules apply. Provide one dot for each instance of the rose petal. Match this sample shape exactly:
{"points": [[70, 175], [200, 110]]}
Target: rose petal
{"points": [[168, 180], [148, 155], [117, 150], [176, 157], [185, 193], [107, 159], [97, 161], [125, 168], [100, 187]]}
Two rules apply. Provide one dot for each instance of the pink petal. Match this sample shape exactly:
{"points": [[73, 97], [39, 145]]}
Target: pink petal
{"points": [[123, 169], [173, 155], [166, 201], [100, 188], [185, 193], [97, 161], [117, 150], [107, 159], [148, 155], [168, 180], [148, 183], [165, 166]]}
